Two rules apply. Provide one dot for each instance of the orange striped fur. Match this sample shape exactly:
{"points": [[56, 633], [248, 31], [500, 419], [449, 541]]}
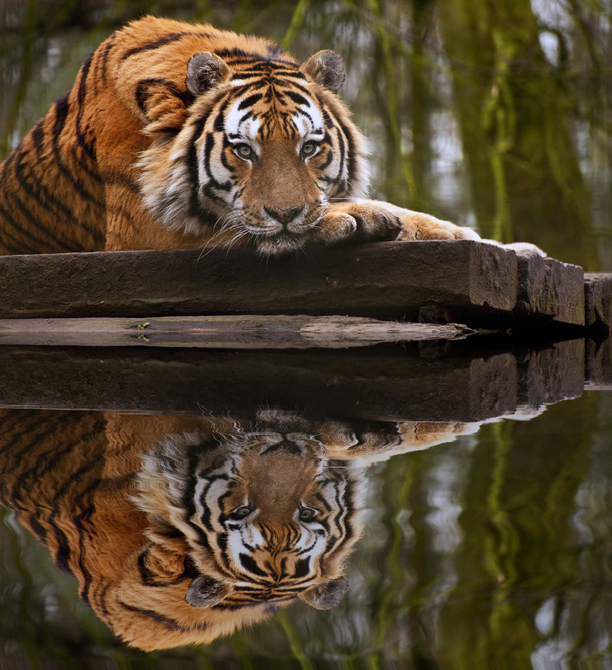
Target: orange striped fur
{"points": [[178, 135]]}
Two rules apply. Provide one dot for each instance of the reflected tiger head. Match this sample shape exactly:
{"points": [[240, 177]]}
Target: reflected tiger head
{"points": [[180, 530], [265, 517], [239, 524]]}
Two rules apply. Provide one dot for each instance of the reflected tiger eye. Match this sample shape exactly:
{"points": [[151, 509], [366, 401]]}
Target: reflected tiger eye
{"points": [[241, 512], [307, 514]]}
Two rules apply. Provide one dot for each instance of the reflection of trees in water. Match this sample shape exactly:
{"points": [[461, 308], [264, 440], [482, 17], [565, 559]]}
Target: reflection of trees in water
{"points": [[530, 96], [494, 547]]}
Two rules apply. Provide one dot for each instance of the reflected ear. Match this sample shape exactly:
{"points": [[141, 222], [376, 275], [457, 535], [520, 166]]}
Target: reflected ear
{"points": [[205, 70], [326, 68], [205, 592], [327, 595]]}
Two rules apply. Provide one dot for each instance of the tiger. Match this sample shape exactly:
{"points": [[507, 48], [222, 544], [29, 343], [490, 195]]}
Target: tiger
{"points": [[182, 529], [179, 135]]}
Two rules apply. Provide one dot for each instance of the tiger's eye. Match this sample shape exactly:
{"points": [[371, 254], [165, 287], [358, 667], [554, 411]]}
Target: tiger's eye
{"points": [[241, 512], [307, 514], [244, 151], [309, 149]]}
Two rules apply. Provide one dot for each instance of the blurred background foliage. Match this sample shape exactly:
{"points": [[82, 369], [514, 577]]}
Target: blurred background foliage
{"points": [[492, 114]]}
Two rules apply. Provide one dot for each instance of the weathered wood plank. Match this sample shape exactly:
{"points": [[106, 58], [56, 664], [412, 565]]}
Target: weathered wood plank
{"points": [[391, 384], [550, 289], [598, 299], [383, 280], [223, 332], [461, 281]]}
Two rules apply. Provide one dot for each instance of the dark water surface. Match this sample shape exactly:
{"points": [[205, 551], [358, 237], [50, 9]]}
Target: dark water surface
{"points": [[466, 502]]}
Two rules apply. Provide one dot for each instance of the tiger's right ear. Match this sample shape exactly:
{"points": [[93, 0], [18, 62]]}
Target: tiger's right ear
{"points": [[205, 70], [326, 68]]}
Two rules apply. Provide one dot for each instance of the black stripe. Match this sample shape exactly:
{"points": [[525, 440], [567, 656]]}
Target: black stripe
{"points": [[142, 92], [81, 94], [29, 234], [250, 565], [36, 189], [302, 568], [62, 108], [168, 623], [192, 168], [163, 41], [297, 98], [6, 235], [251, 100], [104, 57]]}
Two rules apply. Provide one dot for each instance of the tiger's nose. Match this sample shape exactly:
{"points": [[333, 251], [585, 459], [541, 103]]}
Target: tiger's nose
{"points": [[284, 216]]}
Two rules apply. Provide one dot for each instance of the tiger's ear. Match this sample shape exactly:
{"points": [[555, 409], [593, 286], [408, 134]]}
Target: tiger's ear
{"points": [[205, 70], [326, 595], [326, 68], [206, 591]]}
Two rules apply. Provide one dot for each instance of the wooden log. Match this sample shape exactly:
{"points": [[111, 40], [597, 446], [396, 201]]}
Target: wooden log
{"points": [[383, 280], [549, 289], [408, 383], [223, 332], [598, 301], [460, 281]]}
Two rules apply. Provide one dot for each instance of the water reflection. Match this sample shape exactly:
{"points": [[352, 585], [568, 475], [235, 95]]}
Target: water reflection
{"points": [[181, 530]]}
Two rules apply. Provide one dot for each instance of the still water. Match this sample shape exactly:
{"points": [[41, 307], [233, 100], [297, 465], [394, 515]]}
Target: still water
{"points": [[464, 496]]}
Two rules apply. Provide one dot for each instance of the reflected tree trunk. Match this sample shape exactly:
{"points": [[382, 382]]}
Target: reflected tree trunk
{"points": [[514, 116]]}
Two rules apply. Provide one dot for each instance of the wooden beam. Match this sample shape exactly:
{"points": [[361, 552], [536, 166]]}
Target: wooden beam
{"points": [[384, 280], [223, 332], [550, 289], [435, 382], [598, 297], [461, 281]]}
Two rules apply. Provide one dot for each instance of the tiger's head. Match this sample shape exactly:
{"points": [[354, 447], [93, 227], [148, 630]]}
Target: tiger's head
{"points": [[266, 519], [265, 147], [239, 525]]}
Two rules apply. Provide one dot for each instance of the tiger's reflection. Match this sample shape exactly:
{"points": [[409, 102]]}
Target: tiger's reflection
{"points": [[180, 530]]}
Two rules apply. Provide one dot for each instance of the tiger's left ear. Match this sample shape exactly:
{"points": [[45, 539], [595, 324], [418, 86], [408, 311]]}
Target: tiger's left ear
{"points": [[326, 68], [326, 595], [205, 70]]}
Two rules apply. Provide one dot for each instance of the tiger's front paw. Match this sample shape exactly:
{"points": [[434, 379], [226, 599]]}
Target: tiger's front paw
{"points": [[358, 222], [376, 221]]}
